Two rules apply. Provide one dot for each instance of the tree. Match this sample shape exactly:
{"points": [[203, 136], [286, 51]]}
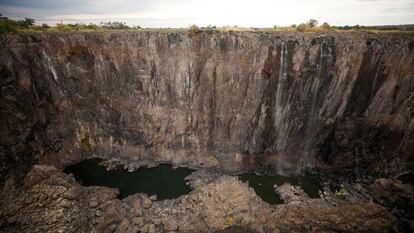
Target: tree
{"points": [[326, 26], [194, 29], [293, 26], [26, 22], [312, 22], [114, 25], [45, 26]]}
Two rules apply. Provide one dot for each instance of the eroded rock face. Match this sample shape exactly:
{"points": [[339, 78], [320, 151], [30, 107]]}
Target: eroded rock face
{"points": [[340, 100], [51, 201]]}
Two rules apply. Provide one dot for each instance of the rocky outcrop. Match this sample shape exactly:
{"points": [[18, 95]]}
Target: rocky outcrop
{"points": [[51, 201], [398, 197], [335, 100], [289, 193]]}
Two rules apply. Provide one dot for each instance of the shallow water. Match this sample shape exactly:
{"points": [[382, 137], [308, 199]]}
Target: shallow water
{"points": [[263, 185], [163, 180]]}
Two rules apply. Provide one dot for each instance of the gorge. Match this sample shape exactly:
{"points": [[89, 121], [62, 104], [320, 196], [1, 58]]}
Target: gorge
{"points": [[337, 105]]}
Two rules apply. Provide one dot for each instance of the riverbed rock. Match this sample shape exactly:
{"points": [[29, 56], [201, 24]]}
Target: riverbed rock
{"points": [[290, 193], [170, 224], [123, 226], [223, 203], [72, 193], [137, 221], [146, 202], [317, 216]]}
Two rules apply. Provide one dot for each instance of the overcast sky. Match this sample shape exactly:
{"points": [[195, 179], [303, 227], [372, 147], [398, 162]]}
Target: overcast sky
{"points": [[182, 13]]}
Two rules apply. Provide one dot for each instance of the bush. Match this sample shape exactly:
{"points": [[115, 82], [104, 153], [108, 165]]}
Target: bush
{"points": [[194, 29], [342, 194], [63, 27], [114, 25], [302, 27], [45, 26], [7, 25], [210, 28], [326, 26]]}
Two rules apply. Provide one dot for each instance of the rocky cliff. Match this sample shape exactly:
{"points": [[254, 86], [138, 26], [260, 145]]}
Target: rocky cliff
{"points": [[340, 101]]}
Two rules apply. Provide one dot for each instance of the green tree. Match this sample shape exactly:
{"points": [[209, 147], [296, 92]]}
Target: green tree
{"points": [[7, 25], [26, 22], [194, 29], [312, 22], [326, 26]]}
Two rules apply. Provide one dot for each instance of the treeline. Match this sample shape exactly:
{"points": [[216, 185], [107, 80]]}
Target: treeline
{"points": [[8, 25], [407, 27], [28, 24], [313, 26]]}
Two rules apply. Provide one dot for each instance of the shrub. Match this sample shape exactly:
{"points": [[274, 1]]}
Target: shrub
{"points": [[228, 221], [45, 26], [210, 28], [7, 25], [194, 29], [302, 27], [63, 27], [114, 25], [342, 194], [326, 26]]}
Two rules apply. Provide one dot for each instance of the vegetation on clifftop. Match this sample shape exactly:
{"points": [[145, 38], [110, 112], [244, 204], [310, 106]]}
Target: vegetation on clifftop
{"points": [[28, 25]]}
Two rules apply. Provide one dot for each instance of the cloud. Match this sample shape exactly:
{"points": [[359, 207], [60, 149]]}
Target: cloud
{"points": [[181, 13], [407, 9]]}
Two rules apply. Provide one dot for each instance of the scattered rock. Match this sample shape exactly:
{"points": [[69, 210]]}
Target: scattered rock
{"points": [[289, 193], [123, 226], [170, 225], [138, 221], [72, 193], [146, 202], [93, 202]]}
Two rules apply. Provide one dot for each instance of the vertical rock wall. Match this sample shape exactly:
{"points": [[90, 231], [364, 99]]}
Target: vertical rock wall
{"points": [[293, 100]]}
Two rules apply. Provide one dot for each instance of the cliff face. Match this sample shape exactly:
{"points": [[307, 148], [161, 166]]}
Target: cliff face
{"points": [[342, 100]]}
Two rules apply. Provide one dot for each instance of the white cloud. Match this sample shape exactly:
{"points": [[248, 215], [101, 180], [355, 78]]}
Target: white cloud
{"points": [[181, 13]]}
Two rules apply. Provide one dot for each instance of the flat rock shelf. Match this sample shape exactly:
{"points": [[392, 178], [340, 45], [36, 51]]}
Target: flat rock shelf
{"points": [[163, 180], [264, 185]]}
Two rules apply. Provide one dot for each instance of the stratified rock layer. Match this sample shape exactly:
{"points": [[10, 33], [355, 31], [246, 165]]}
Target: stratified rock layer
{"points": [[336, 100]]}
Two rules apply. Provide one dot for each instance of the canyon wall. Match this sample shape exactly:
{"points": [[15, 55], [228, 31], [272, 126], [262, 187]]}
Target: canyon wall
{"points": [[338, 101]]}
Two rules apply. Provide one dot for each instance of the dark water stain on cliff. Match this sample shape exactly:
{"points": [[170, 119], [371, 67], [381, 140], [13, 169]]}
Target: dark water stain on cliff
{"points": [[164, 181], [264, 185]]}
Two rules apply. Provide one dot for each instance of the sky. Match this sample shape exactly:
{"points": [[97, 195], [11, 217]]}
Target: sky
{"points": [[182, 13]]}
